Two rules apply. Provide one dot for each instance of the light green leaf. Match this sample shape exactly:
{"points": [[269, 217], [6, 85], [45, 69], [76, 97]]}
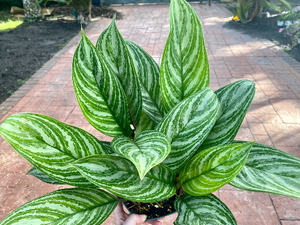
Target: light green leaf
{"points": [[67, 206], [39, 175], [51, 145], [99, 92], [148, 73], [187, 125], [265, 3], [287, 5], [145, 123], [184, 68], [146, 151], [120, 177], [212, 168], [202, 210], [113, 50], [242, 9], [270, 170], [235, 100]]}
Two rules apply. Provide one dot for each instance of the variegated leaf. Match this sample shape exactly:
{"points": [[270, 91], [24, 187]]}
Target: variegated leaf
{"points": [[212, 168], [67, 206], [235, 101], [146, 151], [99, 92], [188, 124], [145, 123], [108, 147], [202, 210], [113, 49], [51, 145], [148, 73], [41, 176], [270, 170], [120, 177], [184, 68]]}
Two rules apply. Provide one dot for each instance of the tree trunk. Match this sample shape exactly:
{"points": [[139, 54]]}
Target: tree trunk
{"points": [[32, 10]]}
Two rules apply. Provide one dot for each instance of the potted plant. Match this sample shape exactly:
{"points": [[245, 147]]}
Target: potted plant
{"points": [[173, 136]]}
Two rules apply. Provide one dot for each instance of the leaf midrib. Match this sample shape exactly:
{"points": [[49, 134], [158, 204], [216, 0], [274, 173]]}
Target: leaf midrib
{"points": [[90, 208], [227, 161], [271, 174]]}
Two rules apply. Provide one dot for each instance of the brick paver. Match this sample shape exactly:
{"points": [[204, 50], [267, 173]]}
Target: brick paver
{"points": [[273, 119]]}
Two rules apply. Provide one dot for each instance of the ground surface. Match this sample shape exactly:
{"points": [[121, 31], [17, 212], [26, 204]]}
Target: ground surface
{"points": [[24, 50], [273, 118]]}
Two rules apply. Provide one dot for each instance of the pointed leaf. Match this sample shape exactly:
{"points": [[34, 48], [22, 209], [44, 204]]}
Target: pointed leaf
{"points": [[145, 123], [187, 125], [51, 145], [146, 151], [113, 49], [67, 206], [235, 100], [212, 168], [202, 210], [265, 3], [98, 92], [184, 68], [120, 177], [242, 9], [270, 170], [287, 5], [148, 73], [39, 175]]}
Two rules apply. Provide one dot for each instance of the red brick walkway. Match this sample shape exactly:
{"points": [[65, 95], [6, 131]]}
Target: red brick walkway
{"points": [[273, 119]]}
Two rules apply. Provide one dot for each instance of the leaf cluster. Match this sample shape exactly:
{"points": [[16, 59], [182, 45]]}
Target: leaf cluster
{"points": [[247, 10], [171, 132]]}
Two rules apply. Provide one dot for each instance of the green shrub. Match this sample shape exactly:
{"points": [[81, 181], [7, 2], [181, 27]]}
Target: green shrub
{"points": [[173, 136]]}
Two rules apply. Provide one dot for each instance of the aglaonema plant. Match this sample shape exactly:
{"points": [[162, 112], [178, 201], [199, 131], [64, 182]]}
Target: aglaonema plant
{"points": [[173, 136]]}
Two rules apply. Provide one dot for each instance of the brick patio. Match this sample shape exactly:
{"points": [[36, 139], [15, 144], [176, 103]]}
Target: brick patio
{"points": [[273, 118]]}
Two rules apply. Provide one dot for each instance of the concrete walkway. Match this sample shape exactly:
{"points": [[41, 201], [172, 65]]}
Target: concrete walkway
{"points": [[273, 118]]}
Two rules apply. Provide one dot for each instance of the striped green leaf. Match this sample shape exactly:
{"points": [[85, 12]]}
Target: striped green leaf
{"points": [[202, 210], [184, 68], [99, 92], [120, 177], [188, 124], [113, 49], [145, 123], [235, 101], [148, 73], [212, 168], [51, 145], [108, 147], [146, 151], [270, 170], [43, 177], [67, 206]]}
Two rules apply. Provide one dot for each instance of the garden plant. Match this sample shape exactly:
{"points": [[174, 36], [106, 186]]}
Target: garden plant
{"points": [[247, 10], [292, 32], [173, 136]]}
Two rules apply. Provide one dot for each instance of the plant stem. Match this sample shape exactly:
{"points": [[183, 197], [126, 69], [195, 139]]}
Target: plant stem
{"points": [[178, 186]]}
